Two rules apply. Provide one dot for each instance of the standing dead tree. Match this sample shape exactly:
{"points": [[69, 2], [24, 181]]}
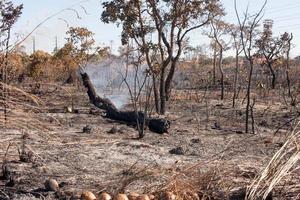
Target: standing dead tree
{"points": [[138, 84], [160, 29], [219, 29], [248, 25], [238, 50], [287, 38]]}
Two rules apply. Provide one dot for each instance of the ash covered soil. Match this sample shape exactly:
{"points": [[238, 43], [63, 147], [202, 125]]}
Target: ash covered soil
{"points": [[83, 150]]}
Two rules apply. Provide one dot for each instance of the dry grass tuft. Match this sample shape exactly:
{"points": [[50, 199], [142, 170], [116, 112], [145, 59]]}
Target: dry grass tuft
{"points": [[282, 164], [200, 183], [20, 111]]}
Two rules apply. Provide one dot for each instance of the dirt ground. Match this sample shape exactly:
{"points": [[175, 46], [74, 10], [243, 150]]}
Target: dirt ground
{"points": [[206, 135]]}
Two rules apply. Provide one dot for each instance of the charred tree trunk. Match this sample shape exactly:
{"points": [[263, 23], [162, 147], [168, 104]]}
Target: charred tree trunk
{"points": [[221, 72], [288, 65], [273, 75], [236, 77], [155, 92], [132, 117], [169, 79], [249, 95], [162, 91], [214, 64]]}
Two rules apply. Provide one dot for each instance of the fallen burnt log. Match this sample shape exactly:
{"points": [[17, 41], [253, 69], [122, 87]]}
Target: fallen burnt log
{"points": [[112, 112]]}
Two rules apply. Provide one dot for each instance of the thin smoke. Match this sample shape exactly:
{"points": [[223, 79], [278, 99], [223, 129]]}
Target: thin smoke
{"points": [[108, 79]]}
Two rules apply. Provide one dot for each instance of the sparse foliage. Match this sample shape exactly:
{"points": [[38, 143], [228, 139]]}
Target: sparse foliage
{"points": [[160, 29], [270, 48]]}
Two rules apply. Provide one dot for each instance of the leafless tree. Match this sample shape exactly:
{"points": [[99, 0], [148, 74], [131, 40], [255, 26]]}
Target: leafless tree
{"points": [[248, 26], [287, 38], [219, 29], [139, 86], [238, 50]]}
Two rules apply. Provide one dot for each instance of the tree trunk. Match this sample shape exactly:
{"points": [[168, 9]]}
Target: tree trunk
{"points": [[155, 92], [287, 70], [162, 91], [249, 95], [214, 64], [221, 72], [132, 117], [236, 73], [273, 75], [170, 79]]}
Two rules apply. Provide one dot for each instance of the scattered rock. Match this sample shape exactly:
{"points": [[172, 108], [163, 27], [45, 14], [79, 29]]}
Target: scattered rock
{"points": [[143, 197], [133, 195], [177, 151], [26, 156], [75, 197], [121, 197], [63, 184], [87, 195], [113, 130], [279, 144], [191, 195], [104, 196], [240, 194], [87, 129], [51, 185], [11, 182], [219, 105], [7, 172], [239, 132], [69, 109], [168, 196], [195, 140], [263, 123], [216, 125]]}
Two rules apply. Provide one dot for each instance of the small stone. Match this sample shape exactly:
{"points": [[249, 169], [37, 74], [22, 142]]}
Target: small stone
{"points": [[69, 109], [216, 125], [195, 140], [104, 196], [87, 129], [133, 195], [113, 130], [75, 197], [177, 151], [143, 197], [51, 185], [168, 196], [121, 197], [87, 195]]}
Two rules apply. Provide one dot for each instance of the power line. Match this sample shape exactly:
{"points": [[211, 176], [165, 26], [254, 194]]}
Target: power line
{"points": [[286, 6]]}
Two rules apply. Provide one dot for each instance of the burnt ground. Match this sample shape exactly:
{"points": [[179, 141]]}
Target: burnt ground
{"points": [[207, 135]]}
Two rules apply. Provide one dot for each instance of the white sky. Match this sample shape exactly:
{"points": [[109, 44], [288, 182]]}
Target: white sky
{"points": [[284, 13]]}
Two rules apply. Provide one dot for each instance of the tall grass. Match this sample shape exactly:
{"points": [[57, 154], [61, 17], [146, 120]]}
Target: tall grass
{"points": [[281, 164]]}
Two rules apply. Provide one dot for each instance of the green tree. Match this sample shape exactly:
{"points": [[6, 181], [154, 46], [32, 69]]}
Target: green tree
{"points": [[160, 30], [77, 50]]}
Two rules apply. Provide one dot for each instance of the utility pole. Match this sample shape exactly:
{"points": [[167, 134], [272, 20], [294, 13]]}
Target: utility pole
{"points": [[33, 44], [56, 44], [111, 46]]}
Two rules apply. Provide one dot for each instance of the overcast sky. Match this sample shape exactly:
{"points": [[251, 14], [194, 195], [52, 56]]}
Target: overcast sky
{"points": [[284, 13]]}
